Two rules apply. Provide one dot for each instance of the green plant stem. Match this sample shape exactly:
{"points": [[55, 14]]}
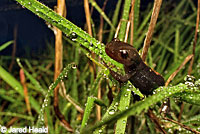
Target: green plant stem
{"points": [[102, 13], [136, 18], [124, 19], [88, 109], [177, 38], [124, 104], [74, 90]]}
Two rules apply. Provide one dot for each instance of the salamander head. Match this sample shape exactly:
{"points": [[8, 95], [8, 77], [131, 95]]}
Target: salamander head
{"points": [[123, 53]]}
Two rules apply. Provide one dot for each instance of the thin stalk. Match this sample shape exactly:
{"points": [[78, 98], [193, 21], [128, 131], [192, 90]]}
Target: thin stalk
{"points": [[14, 48], [178, 69], [154, 16], [195, 38], [114, 20], [102, 13], [59, 62], [87, 15], [26, 97]]}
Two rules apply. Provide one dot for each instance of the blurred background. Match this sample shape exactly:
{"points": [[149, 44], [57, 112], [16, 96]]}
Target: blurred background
{"points": [[32, 33]]}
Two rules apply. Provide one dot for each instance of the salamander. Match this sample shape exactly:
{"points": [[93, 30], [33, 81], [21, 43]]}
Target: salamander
{"points": [[139, 74]]}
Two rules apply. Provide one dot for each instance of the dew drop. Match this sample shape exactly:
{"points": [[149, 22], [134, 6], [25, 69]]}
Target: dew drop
{"points": [[91, 44], [100, 131], [16, 88], [111, 112], [65, 75], [74, 39], [74, 66]]}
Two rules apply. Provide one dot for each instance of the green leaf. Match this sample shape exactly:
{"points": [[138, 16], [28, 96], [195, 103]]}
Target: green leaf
{"points": [[2, 47]]}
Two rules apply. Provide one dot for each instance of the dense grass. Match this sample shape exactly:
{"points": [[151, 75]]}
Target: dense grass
{"points": [[171, 44]]}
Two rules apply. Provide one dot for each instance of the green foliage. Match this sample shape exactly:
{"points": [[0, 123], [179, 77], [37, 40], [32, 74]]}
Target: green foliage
{"points": [[170, 45], [2, 47], [138, 107], [15, 84]]}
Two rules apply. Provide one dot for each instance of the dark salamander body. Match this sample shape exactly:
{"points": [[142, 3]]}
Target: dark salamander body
{"points": [[140, 75]]}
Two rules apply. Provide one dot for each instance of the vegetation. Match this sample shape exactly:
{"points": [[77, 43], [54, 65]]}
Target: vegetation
{"points": [[85, 81]]}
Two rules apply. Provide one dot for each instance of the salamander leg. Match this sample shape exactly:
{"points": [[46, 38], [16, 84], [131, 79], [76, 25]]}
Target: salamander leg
{"points": [[120, 78]]}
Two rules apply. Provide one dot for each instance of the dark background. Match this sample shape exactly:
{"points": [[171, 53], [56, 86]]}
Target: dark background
{"points": [[32, 32]]}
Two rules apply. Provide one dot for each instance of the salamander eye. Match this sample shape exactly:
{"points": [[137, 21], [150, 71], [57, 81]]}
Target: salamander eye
{"points": [[124, 54]]}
